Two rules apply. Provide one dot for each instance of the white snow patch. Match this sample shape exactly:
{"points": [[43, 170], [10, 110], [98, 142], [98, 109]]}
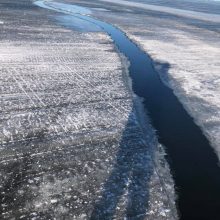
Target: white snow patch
{"points": [[174, 11], [53, 201]]}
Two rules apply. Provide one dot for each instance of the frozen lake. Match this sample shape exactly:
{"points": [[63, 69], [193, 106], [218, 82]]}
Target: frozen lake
{"points": [[76, 142]]}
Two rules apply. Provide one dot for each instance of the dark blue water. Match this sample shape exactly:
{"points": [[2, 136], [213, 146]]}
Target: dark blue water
{"points": [[192, 160]]}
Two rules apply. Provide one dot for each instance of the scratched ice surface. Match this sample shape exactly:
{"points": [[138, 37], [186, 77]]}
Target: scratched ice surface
{"points": [[72, 142]]}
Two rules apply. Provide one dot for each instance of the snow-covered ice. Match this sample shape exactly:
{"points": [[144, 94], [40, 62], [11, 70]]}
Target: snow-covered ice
{"points": [[170, 10], [70, 127]]}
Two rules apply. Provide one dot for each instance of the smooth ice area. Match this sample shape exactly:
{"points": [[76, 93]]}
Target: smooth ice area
{"points": [[74, 9], [77, 23], [68, 20]]}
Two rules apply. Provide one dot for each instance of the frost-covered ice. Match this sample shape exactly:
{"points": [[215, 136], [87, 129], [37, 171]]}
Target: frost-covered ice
{"points": [[189, 48], [72, 143]]}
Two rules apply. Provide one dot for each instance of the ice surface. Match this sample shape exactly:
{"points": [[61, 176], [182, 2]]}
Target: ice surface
{"points": [[70, 8], [207, 6], [170, 10], [77, 23], [70, 127], [67, 8], [189, 49]]}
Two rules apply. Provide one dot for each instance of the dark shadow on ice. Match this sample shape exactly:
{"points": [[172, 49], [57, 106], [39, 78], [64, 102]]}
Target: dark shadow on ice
{"points": [[128, 181]]}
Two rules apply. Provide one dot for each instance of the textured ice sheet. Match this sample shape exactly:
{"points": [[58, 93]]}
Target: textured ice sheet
{"points": [[72, 143], [77, 23]]}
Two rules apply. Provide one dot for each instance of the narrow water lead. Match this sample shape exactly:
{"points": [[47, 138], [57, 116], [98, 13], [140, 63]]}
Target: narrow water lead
{"points": [[192, 160]]}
